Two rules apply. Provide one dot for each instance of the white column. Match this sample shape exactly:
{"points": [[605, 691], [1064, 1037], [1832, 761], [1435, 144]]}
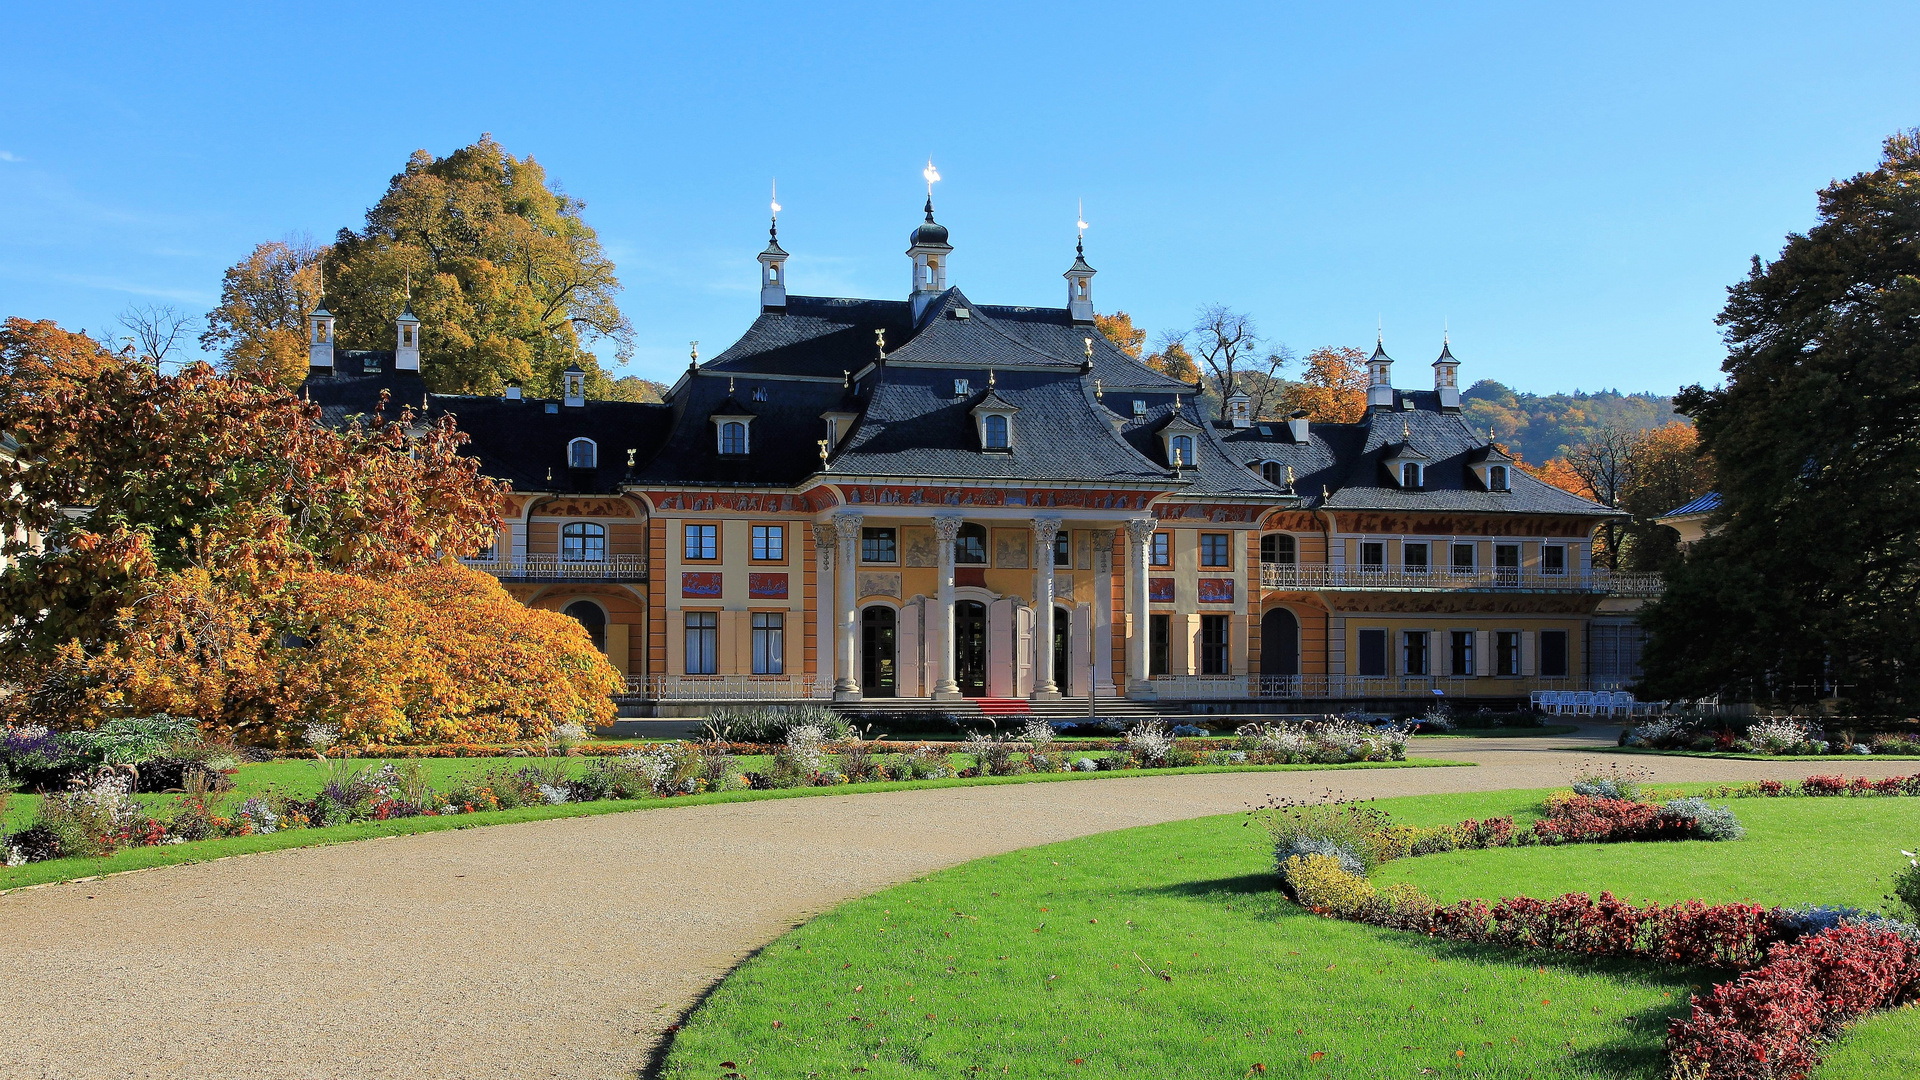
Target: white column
{"points": [[1139, 537], [846, 684], [946, 530], [1103, 611], [823, 540], [1045, 686]]}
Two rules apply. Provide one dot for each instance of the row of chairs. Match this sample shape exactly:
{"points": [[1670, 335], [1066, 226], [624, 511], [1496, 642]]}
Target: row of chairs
{"points": [[1594, 703]]}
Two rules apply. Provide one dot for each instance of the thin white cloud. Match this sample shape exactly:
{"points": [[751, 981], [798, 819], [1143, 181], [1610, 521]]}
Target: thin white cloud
{"points": [[4, 156]]}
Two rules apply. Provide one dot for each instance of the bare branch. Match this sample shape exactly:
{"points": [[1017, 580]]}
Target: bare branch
{"points": [[156, 329]]}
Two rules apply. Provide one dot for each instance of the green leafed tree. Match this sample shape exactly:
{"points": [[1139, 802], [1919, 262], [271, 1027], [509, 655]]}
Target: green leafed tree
{"points": [[507, 278], [1811, 580]]}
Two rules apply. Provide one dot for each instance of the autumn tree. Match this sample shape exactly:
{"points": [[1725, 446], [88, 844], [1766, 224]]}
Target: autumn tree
{"points": [[1332, 388], [155, 329], [260, 324], [507, 278], [1173, 360], [1119, 329], [1235, 357], [1809, 584]]}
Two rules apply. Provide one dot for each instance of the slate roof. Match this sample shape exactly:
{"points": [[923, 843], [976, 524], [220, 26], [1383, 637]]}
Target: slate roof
{"points": [[782, 438], [1705, 504], [349, 389], [524, 443], [817, 335]]}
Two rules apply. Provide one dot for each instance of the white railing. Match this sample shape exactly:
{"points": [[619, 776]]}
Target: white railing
{"points": [[1242, 687], [554, 568], [1445, 578], [729, 687]]}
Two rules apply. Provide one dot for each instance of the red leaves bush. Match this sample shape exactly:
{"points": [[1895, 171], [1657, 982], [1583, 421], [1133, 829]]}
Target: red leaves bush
{"points": [[1858, 785], [1719, 935], [1588, 819], [1767, 1023]]}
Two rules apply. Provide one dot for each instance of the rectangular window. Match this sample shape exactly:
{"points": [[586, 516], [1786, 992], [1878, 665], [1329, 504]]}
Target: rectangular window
{"points": [[1373, 652], [1553, 560], [770, 543], [879, 545], [1553, 654], [703, 642], [1413, 649], [1162, 549], [1506, 564], [1214, 551], [1507, 652], [1373, 555], [1462, 652], [1414, 558], [703, 542], [769, 642], [1063, 549], [1463, 558], [1213, 645], [1159, 629]]}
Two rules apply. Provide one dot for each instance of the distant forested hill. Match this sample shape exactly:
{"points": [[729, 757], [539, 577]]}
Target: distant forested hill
{"points": [[1540, 427]]}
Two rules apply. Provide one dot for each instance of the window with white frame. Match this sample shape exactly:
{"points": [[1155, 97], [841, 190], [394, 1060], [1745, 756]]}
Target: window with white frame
{"points": [[583, 454], [1463, 558], [1462, 653], [970, 547], [879, 545], [1553, 560], [994, 432], [769, 642], [1273, 473], [1180, 449], [583, 541], [1413, 649], [769, 543], [1497, 477], [1414, 557], [703, 642], [733, 437], [1410, 474]]}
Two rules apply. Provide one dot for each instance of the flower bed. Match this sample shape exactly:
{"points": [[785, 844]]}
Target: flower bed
{"points": [[1823, 786], [1772, 737], [1806, 971]]}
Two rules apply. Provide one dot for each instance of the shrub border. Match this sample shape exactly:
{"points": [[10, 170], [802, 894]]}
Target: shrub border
{"points": [[154, 858]]}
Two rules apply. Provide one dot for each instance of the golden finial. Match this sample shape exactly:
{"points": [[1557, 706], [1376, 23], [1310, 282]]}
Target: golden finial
{"points": [[693, 350], [630, 455], [1289, 478], [1324, 494], [1099, 391], [880, 338], [549, 476], [823, 454], [989, 378], [729, 384], [1089, 342]]}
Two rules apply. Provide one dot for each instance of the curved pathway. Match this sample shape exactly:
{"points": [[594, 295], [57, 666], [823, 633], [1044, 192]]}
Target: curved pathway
{"points": [[562, 948]]}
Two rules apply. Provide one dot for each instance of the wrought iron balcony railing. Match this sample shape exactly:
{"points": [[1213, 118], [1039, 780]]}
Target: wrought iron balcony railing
{"points": [[555, 568], [1316, 576]]}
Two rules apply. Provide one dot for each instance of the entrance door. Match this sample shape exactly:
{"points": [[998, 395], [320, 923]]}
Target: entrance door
{"points": [[1063, 650], [970, 647], [590, 616], [1279, 643], [877, 652]]}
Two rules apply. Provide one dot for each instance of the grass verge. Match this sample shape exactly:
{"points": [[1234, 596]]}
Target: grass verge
{"points": [[1166, 951], [1837, 759], [54, 870]]}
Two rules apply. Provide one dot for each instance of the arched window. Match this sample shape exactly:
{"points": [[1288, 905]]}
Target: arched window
{"points": [[1279, 548], [1410, 474], [1181, 447], [971, 545], [995, 429], [1497, 477], [583, 454], [1273, 473], [583, 541], [589, 615], [733, 437]]}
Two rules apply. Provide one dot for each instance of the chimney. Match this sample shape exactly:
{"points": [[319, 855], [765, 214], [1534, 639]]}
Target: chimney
{"points": [[1297, 425], [1240, 410], [576, 379], [406, 345], [320, 339], [513, 391]]}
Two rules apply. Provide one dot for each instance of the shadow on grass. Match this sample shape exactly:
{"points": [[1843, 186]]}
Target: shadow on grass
{"points": [[1229, 886], [655, 1065]]}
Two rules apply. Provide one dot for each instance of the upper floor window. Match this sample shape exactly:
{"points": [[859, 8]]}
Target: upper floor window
{"points": [[993, 430], [703, 542], [970, 546], [1414, 557], [583, 454], [1162, 549], [1273, 473], [1180, 448], [1279, 548], [1463, 558], [770, 543], [1214, 550], [733, 437], [1410, 474], [1063, 549], [583, 541], [1553, 559], [1497, 478], [879, 545]]}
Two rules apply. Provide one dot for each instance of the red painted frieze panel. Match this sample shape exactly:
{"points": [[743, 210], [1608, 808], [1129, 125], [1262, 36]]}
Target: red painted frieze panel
{"points": [[1039, 498], [700, 585], [1211, 513], [767, 586], [1160, 590], [1216, 590]]}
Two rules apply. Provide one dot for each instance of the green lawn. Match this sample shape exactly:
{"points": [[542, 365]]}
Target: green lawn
{"points": [[1167, 952], [1837, 759], [305, 777]]}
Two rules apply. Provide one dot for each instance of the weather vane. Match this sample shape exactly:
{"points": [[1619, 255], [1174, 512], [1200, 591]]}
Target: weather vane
{"points": [[1080, 220], [933, 176]]}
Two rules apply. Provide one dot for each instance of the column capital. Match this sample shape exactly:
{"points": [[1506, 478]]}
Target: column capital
{"points": [[946, 527], [1044, 530], [848, 519], [823, 534], [1140, 530]]}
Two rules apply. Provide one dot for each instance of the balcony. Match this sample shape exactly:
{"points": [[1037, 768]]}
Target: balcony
{"points": [[729, 687], [1314, 577], [1356, 687], [554, 568]]}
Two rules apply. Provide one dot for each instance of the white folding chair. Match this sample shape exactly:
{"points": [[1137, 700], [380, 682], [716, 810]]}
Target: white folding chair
{"points": [[1583, 703]]}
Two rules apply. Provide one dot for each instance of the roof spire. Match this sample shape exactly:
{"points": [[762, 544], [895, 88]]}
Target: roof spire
{"points": [[1080, 226], [933, 175], [773, 229]]}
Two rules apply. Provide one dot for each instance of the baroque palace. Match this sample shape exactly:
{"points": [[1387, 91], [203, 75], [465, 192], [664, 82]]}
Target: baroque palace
{"points": [[938, 499]]}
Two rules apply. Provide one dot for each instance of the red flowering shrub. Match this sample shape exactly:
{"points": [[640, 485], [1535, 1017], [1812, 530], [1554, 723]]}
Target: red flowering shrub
{"points": [[1591, 819], [1767, 1023], [1824, 785], [1719, 935]]}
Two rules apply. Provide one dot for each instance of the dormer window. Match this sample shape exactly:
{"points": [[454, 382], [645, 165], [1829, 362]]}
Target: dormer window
{"points": [[1139, 406], [1273, 473], [993, 428], [733, 437], [583, 454], [1497, 478], [1182, 449], [962, 387], [1409, 474]]}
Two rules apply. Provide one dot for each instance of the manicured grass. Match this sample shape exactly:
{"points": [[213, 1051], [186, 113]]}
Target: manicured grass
{"points": [[1168, 952], [1837, 759], [288, 774]]}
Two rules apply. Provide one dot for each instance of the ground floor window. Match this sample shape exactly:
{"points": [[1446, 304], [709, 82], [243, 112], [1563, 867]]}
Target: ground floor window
{"points": [[703, 642], [1553, 654], [1213, 645], [769, 642], [1507, 652], [1159, 630], [1463, 652], [1373, 652], [1413, 649]]}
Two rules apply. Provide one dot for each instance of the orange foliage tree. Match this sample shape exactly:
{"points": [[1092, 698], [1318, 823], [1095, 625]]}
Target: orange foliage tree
{"points": [[1332, 389], [201, 544]]}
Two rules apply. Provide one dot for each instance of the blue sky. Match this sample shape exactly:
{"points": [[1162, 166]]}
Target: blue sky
{"points": [[1570, 188]]}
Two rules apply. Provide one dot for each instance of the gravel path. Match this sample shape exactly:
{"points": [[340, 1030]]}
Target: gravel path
{"points": [[559, 948]]}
